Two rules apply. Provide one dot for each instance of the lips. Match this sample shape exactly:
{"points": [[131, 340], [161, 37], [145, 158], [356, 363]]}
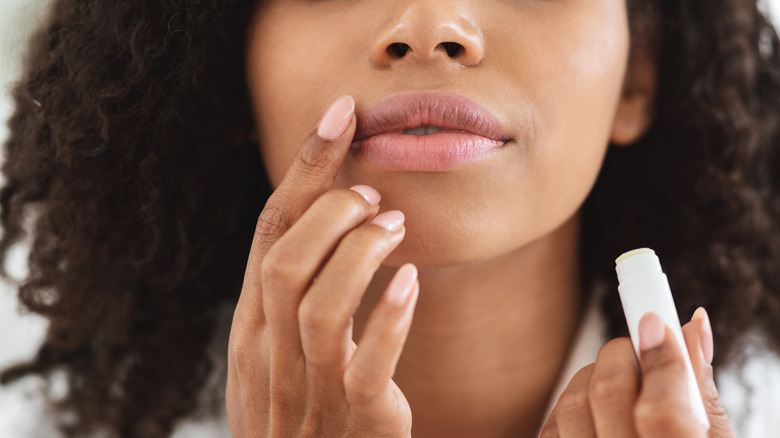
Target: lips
{"points": [[427, 132]]}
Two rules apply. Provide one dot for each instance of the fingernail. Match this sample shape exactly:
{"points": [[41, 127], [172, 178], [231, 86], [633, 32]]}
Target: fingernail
{"points": [[337, 118], [707, 342], [402, 284], [651, 332], [391, 220], [369, 194]]}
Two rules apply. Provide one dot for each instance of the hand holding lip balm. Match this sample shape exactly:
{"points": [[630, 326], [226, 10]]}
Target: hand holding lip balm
{"points": [[644, 288]]}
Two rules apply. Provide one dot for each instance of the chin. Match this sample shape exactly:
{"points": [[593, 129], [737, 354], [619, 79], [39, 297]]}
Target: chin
{"points": [[435, 249], [437, 241]]}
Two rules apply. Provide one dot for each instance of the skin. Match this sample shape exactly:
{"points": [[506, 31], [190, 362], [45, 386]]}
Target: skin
{"points": [[559, 109], [495, 307]]}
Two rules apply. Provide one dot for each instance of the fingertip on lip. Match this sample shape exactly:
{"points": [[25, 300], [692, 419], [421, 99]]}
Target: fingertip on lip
{"points": [[337, 118]]}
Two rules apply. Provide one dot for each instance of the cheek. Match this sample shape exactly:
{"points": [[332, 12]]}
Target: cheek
{"points": [[580, 53], [294, 76]]}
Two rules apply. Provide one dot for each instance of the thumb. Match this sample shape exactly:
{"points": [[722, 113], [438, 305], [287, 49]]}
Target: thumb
{"points": [[699, 340], [664, 407]]}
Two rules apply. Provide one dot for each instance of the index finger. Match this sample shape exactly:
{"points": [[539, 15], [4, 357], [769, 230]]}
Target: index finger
{"points": [[613, 389], [311, 174]]}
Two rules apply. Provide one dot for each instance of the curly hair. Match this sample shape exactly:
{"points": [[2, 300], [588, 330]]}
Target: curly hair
{"points": [[130, 168]]}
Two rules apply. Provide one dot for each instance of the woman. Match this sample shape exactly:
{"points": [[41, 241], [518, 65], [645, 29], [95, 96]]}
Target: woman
{"points": [[476, 164]]}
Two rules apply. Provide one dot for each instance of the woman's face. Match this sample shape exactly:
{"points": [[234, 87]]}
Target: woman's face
{"points": [[550, 72]]}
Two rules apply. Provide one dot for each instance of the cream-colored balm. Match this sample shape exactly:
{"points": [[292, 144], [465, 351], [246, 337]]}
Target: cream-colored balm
{"points": [[644, 288]]}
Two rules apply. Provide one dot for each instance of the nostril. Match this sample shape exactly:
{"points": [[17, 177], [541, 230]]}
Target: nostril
{"points": [[453, 49], [398, 49]]}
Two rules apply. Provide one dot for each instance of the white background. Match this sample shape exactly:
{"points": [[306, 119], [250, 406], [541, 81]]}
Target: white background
{"points": [[20, 333]]}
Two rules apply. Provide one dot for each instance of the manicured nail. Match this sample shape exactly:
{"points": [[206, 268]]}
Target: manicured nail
{"points": [[707, 342], [402, 284], [369, 194], [391, 220], [651, 332], [337, 118]]}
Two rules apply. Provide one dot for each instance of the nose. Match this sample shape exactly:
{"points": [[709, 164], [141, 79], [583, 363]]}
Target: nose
{"points": [[426, 31]]}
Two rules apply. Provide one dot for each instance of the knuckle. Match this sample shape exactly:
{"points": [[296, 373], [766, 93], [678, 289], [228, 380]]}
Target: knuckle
{"points": [[617, 347], [273, 222], [359, 387], [236, 351], [369, 241], [660, 415], [279, 265], [616, 386], [242, 357], [342, 202], [615, 378], [313, 160], [573, 401], [313, 318]]}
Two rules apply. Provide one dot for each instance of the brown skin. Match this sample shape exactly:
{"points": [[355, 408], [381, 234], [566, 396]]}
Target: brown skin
{"points": [[498, 304], [559, 107]]}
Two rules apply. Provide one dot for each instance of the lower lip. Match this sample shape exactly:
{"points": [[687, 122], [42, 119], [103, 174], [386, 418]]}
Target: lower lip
{"points": [[425, 153]]}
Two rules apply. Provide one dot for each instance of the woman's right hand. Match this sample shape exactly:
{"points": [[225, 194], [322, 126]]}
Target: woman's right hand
{"points": [[293, 368]]}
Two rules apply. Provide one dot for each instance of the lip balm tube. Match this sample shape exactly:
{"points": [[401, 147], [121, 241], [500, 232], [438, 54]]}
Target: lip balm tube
{"points": [[644, 288]]}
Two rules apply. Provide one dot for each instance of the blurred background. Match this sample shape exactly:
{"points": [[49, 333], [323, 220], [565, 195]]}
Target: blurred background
{"points": [[20, 333]]}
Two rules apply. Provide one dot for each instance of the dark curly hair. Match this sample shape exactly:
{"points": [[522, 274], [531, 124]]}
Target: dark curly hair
{"points": [[131, 172]]}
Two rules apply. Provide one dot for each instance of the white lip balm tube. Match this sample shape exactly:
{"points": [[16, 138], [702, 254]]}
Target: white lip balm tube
{"points": [[644, 288]]}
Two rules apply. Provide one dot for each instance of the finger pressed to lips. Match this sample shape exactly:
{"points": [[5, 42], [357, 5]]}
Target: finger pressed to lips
{"points": [[310, 175], [307, 230]]}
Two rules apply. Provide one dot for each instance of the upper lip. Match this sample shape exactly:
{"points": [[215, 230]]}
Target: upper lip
{"points": [[448, 111]]}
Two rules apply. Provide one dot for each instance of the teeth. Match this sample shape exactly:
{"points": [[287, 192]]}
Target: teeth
{"points": [[423, 130]]}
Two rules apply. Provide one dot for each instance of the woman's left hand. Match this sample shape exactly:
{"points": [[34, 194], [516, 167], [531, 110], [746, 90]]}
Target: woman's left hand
{"points": [[619, 396]]}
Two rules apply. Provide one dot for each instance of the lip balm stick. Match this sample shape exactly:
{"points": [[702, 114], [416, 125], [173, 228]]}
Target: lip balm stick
{"points": [[644, 288]]}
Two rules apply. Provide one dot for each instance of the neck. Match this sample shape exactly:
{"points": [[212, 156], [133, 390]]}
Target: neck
{"points": [[489, 339]]}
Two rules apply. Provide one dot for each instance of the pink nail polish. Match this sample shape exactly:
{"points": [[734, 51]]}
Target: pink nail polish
{"points": [[402, 284], [707, 343], [391, 220], [337, 118], [652, 332], [368, 193]]}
